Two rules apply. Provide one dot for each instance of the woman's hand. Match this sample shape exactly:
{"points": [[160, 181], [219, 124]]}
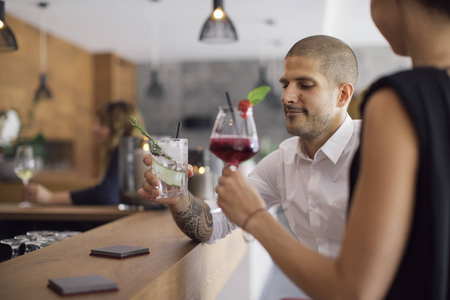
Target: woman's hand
{"points": [[237, 197], [149, 188], [36, 193]]}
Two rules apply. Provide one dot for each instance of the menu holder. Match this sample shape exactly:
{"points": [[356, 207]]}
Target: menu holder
{"points": [[82, 284], [119, 251]]}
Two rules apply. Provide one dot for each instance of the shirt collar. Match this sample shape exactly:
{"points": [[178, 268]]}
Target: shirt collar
{"points": [[335, 145]]}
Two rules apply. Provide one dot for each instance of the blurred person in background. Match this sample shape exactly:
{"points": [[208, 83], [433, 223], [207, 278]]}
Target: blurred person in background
{"points": [[397, 240], [111, 124]]}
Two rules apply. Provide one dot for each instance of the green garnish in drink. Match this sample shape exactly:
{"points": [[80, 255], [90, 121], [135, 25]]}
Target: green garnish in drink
{"points": [[156, 147]]}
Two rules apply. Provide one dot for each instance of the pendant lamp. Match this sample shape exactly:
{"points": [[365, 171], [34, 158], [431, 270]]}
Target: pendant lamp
{"points": [[7, 38], [42, 92], [218, 28], [271, 98], [155, 89]]}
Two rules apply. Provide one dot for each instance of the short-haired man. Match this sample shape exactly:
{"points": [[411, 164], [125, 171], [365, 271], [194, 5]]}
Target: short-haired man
{"points": [[308, 174]]}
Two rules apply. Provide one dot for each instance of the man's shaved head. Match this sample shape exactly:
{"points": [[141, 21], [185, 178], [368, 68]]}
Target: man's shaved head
{"points": [[336, 61]]}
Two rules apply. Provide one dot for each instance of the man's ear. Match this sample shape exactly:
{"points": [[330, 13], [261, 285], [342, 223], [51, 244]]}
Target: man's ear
{"points": [[345, 94]]}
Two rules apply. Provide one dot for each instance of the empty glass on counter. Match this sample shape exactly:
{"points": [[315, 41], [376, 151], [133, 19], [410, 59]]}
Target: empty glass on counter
{"points": [[42, 233], [15, 244], [37, 239], [28, 239]]}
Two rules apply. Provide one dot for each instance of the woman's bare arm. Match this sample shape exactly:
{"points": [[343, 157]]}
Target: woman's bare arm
{"points": [[380, 218]]}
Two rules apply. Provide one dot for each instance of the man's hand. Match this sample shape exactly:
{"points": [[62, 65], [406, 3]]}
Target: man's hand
{"points": [[191, 215], [36, 193], [149, 188]]}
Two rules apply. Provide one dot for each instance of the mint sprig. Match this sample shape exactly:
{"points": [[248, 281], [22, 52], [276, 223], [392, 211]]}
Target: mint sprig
{"points": [[258, 94], [144, 132]]}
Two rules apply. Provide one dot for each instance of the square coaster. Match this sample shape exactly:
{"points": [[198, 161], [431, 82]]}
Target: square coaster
{"points": [[82, 284], [119, 251]]}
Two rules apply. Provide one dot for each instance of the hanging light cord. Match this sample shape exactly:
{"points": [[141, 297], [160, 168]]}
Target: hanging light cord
{"points": [[43, 42], [154, 38]]}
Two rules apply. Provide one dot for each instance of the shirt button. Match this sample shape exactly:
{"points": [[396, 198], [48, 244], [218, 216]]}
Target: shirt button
{"points": [[321, 240], [313, 206]]}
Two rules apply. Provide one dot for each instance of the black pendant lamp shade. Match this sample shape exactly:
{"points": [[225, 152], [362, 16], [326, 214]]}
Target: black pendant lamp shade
{"points": [[7, 38], [218, 28], [155, 90], [42, 91], [271, 98]]}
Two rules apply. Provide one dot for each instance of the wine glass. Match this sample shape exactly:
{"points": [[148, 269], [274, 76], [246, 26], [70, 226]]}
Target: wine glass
{"points": [[28, 239], [15, 244], [24, 166], [234, 138]]}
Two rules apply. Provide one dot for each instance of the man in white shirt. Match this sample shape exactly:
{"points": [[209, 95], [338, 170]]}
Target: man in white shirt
{"points": [[309, 173]]}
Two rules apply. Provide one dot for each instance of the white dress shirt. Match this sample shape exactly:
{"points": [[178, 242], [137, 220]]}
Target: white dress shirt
{"points": [[313, 192]]}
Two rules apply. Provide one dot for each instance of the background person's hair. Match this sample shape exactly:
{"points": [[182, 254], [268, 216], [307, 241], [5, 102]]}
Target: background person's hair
{"points": [[442, 6], [116, 115], [337, 61]]}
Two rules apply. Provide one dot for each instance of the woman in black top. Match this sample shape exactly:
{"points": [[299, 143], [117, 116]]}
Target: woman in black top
{"points": [[112, 123], [397, 241]]}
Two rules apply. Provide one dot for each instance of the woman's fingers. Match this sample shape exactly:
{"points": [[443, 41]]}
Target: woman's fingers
{"points": [[29, 193]]}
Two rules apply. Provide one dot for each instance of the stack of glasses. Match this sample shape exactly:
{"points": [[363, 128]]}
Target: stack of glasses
{"points": [[35, 240]]}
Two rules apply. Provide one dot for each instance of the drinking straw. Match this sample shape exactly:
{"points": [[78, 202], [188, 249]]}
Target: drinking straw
{"points": [[229, 103], [232, 112], [178, 129]]}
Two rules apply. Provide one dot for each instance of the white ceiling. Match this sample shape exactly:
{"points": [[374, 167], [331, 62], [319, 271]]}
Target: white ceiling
{"points": [[124, 26]]}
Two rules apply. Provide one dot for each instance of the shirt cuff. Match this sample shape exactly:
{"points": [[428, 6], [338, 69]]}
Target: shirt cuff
{"points": [[221, 225]]}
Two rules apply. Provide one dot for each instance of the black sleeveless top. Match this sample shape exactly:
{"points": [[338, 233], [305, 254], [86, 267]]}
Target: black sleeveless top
{"points": [[424, 269]]}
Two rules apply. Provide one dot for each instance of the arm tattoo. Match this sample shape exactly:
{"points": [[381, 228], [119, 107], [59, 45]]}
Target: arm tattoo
{"points": [[196, 222]]}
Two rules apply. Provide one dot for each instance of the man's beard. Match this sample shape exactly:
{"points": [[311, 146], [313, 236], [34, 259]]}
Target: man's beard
{"points": [[314, 126]]}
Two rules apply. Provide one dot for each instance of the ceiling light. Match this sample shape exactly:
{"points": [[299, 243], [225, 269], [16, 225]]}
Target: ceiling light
{"points": [[155, 89], [7, 38], [218, 28], [218, 13], [42, 92]]}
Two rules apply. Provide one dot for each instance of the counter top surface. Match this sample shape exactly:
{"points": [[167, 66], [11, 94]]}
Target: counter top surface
{"points": [[14, 212], [176, 268]]}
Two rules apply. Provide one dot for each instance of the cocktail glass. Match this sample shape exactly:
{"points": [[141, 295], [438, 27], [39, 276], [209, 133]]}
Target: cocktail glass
{"points": [[170, 165], [234, 138]]}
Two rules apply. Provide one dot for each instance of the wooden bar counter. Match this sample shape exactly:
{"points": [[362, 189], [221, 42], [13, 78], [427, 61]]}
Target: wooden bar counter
{"points": [[77, 213], [176, 268]]}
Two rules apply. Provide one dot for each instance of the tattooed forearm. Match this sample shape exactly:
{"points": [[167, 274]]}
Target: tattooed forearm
{"points": [[196, 222]]}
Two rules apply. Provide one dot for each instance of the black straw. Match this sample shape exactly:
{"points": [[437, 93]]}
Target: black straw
{"points": [[232, 112], [229, 103], [178, 129]]}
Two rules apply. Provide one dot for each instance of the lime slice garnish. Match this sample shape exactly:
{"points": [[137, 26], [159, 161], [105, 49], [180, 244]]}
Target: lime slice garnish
{"points": [[168, 176]]}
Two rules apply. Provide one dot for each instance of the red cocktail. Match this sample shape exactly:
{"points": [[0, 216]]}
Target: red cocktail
{"points": [[234, 149], [234, 138]]}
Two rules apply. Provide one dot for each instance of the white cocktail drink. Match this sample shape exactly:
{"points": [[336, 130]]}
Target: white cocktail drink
{"points": [[170, 162]]}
